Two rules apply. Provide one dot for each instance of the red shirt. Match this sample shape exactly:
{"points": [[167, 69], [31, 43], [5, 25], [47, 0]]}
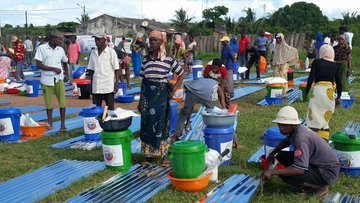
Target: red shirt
{"points": [[19, 51], [243, 44], [220, 74]]}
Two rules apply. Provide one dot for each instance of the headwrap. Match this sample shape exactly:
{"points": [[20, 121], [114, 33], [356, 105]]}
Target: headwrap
{"points": [[180, 42], [285, 53], [327, 52], [159, 35], [319, 40]]}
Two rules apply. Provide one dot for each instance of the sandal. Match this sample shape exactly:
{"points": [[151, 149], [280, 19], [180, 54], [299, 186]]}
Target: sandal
{"points": [[165, 163]]}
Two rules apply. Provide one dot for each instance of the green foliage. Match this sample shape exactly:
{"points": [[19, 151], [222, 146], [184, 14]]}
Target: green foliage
{"points": [[84, 18], [213, 15], [298, 16], [181, 21], [8, 26], [67, 26]]}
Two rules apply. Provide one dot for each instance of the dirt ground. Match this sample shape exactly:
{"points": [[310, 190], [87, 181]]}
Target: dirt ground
{"points": [[20, 101]]}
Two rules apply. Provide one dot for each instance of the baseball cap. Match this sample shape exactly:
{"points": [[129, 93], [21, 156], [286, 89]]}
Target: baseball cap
{"points": [[225, 38], [100, 35]]}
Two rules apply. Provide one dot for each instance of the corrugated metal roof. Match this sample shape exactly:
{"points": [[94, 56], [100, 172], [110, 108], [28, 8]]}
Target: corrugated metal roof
{"points": [[137, 185], [45, 181], [237, 188]]}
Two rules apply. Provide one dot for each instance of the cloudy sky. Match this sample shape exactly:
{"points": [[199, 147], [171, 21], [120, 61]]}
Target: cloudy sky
{"points": [[42, 12]]}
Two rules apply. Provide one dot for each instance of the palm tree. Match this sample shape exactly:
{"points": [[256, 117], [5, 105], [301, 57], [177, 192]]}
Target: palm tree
{"points": [[84, 18], [181, 21]]}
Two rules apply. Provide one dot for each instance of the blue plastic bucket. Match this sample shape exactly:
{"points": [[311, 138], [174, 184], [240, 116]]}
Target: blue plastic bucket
{"points": [[34, 67], [173, 115], [92, 127], [219, 139], [9, 124], [122, 89], [271, 138], [78, 72], [32, 88], [197, 72]]}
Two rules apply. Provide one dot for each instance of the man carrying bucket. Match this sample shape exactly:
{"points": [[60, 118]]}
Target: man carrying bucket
{"points": [[50, 59], [312, 164]]}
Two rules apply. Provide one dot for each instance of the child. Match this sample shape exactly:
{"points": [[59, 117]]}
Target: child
{"points": [[124, 64]]}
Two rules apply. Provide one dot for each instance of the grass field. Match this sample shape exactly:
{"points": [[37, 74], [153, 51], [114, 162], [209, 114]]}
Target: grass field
{"points": [[18, 159]]}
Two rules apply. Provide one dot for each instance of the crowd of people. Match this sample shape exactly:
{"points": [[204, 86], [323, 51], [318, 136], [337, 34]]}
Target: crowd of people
{"points": [[312, 164]]}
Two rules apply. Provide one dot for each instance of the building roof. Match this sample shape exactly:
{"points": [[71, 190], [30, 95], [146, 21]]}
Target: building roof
{"points": [[146, 23]]}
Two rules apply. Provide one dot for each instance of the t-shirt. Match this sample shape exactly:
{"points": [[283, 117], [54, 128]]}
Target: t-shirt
{"points": [[73, 52], [221, 74], [28, 45], [323, 70], [311, 149], [261, 43], [53, 58], [243, 44], [205, 88], [227, 55]]}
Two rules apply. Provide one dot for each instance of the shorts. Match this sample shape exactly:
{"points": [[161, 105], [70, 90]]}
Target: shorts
{"points": [[48, 92]]}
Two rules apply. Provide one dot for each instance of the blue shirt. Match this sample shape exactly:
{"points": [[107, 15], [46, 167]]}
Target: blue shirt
{"points": [[227, 54], [261, 43]]}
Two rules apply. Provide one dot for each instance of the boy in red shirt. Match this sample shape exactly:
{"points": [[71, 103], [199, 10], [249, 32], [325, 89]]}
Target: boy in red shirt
{"points": [[217, 71]]}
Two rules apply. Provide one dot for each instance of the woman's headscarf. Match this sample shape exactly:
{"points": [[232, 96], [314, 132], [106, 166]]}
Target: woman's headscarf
{"points": [[319, 40], [327, 52], [159, 35], [234, 45], [180, 43], [285, 53]]}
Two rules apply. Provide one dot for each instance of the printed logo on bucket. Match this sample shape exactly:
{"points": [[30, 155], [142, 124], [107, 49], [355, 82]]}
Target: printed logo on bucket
{"points": [[109, 154], [91, 125], [345, 160], [2, 127]]}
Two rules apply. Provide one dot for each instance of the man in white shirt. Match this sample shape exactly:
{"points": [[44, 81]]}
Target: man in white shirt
{"points": [[50, 59], [29, 50], [103, 67]]}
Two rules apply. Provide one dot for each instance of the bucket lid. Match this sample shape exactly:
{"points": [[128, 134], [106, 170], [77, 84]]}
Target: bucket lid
{"points": [[276, 85], [274, 133], [83, 82], [10, 110], [188, 146], [344, 138], [94, 110], [115, 135], [218, 130], [302, 85]]}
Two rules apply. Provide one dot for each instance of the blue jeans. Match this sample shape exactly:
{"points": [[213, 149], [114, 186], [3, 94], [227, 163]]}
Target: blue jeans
{"points": [[72, 67], [19, 70], [242, 63]]}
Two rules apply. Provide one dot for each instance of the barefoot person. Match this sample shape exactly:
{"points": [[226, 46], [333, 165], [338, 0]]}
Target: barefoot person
{"points": [[50, 59], [312, 164]]}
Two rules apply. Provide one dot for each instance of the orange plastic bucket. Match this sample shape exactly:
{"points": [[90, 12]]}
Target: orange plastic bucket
{"points": [[265, 165], [2, 83], [291, 83]]}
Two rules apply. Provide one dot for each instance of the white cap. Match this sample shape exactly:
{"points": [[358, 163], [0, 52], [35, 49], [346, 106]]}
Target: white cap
{"points": [[287, 115]]}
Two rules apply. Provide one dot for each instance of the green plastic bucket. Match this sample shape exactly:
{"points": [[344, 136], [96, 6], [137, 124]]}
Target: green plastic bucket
{"points": [[187, 158], [302, 88], [347, 149], [273, 90], [117, 150]]}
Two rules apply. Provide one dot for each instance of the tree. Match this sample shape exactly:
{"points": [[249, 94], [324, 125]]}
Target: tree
{"points": [[298, 16], [84, 18], [67, 26], [8, 26], [212, 16], [181, 21]]}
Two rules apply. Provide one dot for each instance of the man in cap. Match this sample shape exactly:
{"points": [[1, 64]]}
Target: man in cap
{"points": [[52, 62], [228, 58], [312, 164], [19, 57], [103, 67]]}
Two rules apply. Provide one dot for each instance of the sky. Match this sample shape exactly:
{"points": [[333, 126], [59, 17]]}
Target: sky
{"points": [[42, 12]]}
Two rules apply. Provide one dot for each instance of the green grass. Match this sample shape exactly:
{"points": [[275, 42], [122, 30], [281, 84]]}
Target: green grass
{"points": [[18, 159]]}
